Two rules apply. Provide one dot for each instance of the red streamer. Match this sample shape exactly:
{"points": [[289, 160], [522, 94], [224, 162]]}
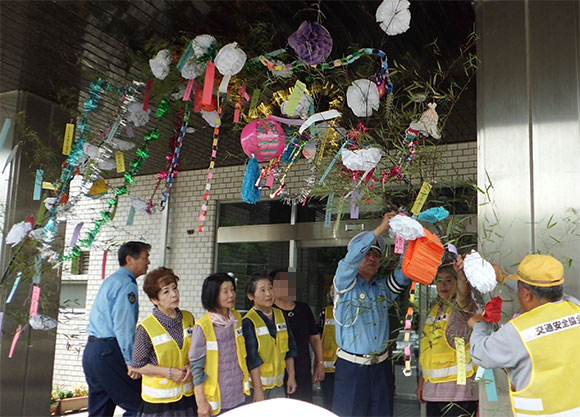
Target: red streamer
{"points": [[147, 94]]}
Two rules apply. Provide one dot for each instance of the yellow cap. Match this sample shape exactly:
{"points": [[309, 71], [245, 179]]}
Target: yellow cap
{"points": [[540, 271]]}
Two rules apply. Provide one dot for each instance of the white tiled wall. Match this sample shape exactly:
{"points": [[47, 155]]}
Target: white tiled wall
{"points": [[190, 255]]}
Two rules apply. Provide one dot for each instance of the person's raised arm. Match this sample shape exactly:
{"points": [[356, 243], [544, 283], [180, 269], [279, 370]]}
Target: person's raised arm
{"points": [[463, 297]]}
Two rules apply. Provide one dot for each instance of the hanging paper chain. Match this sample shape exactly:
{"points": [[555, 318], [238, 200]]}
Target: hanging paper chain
{"points": [[337, 63], [136, 165], [214, 149], [174, 163], [162, 175], [407, 330]]}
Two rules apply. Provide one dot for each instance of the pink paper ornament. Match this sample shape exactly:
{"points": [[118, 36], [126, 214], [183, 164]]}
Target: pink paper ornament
{"points": [[264, 139]]}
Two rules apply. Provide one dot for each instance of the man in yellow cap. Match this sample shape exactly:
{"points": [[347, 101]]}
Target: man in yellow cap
{"points": [[541, 347]]}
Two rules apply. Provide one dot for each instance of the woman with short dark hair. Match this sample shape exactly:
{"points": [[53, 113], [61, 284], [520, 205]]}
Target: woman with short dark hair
{"points": [[218, 351], [161, 349]]}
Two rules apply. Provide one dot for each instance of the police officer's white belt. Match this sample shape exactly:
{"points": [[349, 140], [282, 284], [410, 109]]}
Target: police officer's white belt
{"points": [[362, 359]]}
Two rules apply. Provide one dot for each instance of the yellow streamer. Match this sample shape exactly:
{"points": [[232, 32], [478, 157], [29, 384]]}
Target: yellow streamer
{"points": [[69, 134], [461, 367], [421, 198], [120, 159]]}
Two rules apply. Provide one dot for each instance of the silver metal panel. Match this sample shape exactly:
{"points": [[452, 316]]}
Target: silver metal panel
{"points": [[503, 144], [554, 82]]}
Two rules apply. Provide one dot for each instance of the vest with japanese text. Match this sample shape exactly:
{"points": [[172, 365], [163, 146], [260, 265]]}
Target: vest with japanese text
{"points": [[551, 335]]}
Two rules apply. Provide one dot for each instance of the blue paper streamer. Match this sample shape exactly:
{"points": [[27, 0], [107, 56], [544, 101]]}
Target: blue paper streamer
{"points": [[433, 215], [131, 216], [490, 385], [38, 184], [5, 130], [14, 287]]}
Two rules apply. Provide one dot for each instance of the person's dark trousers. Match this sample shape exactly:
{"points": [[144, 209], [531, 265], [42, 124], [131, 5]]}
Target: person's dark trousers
{"points": [[452, 409], [109, 384], [304, 389], [361, 390], [327, 388]]}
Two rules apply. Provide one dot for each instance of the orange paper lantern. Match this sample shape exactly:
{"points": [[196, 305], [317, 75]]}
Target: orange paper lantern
{"points": [[423, 257]]}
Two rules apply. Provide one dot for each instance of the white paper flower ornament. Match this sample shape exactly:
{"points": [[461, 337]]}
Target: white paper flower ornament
{"points": [[362, 96], [201, 44], [406, 227], [479, 272], [361, 159], [160, 65], [192, 70], [394, 16], [427, 123], [230, 59], [137, 115]]}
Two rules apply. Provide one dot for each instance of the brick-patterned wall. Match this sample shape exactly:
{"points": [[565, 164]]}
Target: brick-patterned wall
{"points": [[191, 256]]}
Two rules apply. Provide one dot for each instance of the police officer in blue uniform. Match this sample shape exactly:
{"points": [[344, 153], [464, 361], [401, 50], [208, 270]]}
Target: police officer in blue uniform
{"points": [[112, 322], [363, 381]]}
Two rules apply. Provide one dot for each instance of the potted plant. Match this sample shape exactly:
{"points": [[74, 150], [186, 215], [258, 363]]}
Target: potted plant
{"points": [[64, 400]]}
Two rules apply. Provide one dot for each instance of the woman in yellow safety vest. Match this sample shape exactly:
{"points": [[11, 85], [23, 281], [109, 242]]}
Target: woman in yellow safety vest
{"points": [[269, 342], [218, 350], [160, 353], [448, 387]]}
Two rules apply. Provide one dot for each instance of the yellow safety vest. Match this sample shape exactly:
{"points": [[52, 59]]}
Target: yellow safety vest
{"points": [[164, 390], [272, 351], [438, 359], [551, 334], [329, 345], [211, 386]]}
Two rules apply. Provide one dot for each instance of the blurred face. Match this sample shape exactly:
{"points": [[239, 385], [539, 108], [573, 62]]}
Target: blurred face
{"points": [[167, 298], [138, 265], [227, 295], [445, 283], [263, 297], [370, 264], [285, 286]]}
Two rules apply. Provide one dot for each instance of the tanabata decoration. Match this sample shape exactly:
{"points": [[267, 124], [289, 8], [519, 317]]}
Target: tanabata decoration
{"points": [[91, 150], [492, 311], [427, 123], [161, 64], [191, 70], [362, 97], [18, 232], [202, 44], [302, 110], [394, 16], [211, 117], [41, 322], [361, 159], [280, 73], [122, 145], [433, 215], [137, 115], [479, 272], [311, 42], [423, 257], [230, 59], [139, 204], [406, 227], [262, 140]]}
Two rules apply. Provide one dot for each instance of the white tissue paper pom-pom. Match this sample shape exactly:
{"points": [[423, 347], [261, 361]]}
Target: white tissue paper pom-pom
{"points": [[192, 70], [362, 97], [361, 159], [160, 65], [91, 151], [394, 16], [230, 59], [406, 227], [201, 44], [139, 205], [107, 164], [40, 322], [137, 115], [211, 117], [479, 272], [122, 145], [18, 232]]}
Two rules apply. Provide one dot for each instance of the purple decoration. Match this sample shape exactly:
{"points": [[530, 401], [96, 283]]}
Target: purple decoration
{"points": [[311, 42]]}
